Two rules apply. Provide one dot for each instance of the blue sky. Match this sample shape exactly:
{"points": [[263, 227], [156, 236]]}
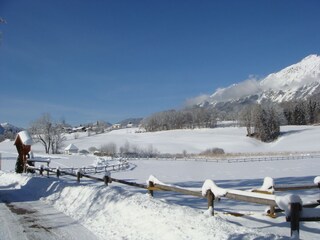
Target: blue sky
{"points": [[84, 61]]}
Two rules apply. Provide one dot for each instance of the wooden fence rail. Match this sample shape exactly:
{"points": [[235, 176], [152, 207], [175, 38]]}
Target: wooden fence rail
{"points": [[239, 159]]}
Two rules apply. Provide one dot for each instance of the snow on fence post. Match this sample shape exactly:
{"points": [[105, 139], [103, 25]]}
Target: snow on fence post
{"points": [[211, 191], [317, 181], [292, 205], [151, 184]]}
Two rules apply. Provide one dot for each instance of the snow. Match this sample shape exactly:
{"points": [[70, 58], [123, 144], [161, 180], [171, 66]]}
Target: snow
{"points": [[317, 180], [71, 147], [284, 202], [291, 83], [122, 212], [25, 138], [154, 180], [210, 185], [268, 185]]}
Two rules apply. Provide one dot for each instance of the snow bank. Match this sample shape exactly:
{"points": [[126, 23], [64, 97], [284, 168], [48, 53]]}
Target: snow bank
{"points": [[13, 180], [114, 213]]}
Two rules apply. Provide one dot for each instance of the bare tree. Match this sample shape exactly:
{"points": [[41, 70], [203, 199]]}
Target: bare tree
{"points": [[48, 133], [246, 119], [109, 149]]}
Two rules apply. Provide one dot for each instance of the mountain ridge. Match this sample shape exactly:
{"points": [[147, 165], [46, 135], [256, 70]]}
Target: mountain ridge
{"points": [[297, 81]]}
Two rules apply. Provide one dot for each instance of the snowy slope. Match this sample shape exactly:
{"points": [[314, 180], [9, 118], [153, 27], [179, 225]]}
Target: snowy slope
{"points": [[297, 81], [231, 139]]}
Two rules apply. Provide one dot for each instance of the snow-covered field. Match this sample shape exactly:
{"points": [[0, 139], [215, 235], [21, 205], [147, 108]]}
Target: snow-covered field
{"points": [[124, 212]]}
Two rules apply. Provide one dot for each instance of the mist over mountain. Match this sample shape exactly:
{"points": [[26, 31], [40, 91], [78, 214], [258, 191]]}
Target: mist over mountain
{"points": [[296, 82]]}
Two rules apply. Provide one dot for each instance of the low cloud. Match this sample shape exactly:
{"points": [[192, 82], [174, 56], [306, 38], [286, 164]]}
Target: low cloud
{"points": [[236, 91], [197, 100]]}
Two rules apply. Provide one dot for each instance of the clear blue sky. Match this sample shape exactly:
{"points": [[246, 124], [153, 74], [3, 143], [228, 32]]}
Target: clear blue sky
{"points": [[83, 61]]}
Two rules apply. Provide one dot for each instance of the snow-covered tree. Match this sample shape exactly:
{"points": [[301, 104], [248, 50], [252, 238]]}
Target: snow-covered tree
{"points": [[266, 123], [48, 133]]}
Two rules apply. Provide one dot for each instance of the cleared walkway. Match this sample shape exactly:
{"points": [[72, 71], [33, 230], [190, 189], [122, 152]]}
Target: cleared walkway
{"points": [[35, 220]]}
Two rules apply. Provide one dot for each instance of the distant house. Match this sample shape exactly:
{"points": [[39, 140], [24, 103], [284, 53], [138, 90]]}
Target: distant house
{"points": [[116, 126], [79, 129], [71, 149]]}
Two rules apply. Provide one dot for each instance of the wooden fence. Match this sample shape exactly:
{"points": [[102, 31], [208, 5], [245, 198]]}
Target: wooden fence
{"points": [[259, 197], [239, 159]]}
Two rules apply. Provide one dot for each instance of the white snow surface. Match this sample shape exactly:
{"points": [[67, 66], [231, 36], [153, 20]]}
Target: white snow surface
{"points": [[25, 138], [124, 212]]}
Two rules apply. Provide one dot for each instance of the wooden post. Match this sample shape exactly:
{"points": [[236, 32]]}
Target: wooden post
{"points": [[41, 170], [151, 185], [78, 176], [272, 211], [106, 180], [58, 173], [295, 209], [210, 197]]}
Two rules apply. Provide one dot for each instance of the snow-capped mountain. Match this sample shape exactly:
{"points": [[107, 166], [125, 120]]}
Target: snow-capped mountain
{"points": [[295, 82], [1, 130], [9, 128]]}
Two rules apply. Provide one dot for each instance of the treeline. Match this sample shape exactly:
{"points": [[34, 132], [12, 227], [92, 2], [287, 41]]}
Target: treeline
{"points": [[127, 150], [302, 112], [190, 118], [263, 121]]}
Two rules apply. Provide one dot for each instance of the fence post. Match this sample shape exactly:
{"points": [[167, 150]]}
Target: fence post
{"points": [[210, 197], [106, 180], [295, 209], [150, 185], [41, 170], [78, 176], [272, 211], [58, 172]]}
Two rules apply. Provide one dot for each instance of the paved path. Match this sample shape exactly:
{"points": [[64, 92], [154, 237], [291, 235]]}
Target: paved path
{"points": [[35, 220]]}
